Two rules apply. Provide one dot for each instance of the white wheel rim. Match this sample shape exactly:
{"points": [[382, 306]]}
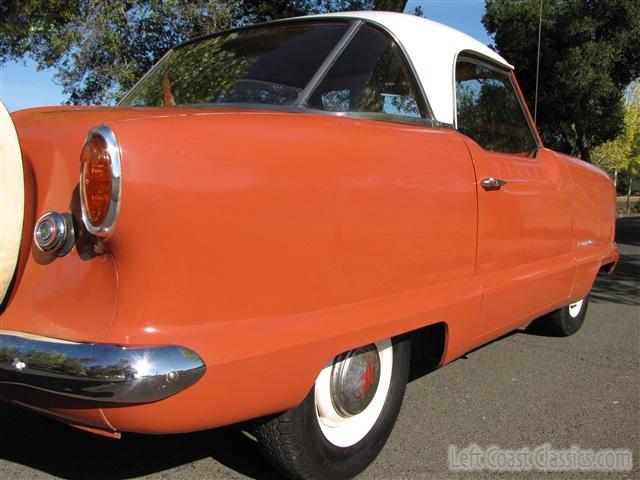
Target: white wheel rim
{"points": [[344, 431], [574, 308], [11, 199]]}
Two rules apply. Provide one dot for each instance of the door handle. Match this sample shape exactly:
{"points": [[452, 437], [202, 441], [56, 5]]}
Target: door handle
{"points": [[492, 183]]}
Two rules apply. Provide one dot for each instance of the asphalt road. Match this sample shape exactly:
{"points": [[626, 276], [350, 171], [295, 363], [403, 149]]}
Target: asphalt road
{"points": [[522, 390]]}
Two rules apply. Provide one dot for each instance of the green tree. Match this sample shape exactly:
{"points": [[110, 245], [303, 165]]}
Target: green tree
{"points": [[588, 55], [622, 154], [611, 157], [631, 141], [101, 48]]}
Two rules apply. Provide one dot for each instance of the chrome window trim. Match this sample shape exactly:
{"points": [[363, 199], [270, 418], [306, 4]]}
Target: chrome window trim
{"points": [[384, 117], [143, 77], [105, 229], [377, 116], [328, 62], [527, 116]]}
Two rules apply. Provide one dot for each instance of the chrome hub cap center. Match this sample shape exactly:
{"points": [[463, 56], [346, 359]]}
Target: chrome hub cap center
{"points": [[354, 380]]}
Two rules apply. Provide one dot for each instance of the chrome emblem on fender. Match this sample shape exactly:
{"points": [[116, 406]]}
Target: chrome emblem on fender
{"points": [[585, 243]]}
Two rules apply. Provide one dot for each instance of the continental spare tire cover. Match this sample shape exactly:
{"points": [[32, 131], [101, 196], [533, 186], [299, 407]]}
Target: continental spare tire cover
{"points": [[11, 200]]}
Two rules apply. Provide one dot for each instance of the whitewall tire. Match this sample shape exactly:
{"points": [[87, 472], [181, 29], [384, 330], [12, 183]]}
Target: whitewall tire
{"points": [[346, 418]]}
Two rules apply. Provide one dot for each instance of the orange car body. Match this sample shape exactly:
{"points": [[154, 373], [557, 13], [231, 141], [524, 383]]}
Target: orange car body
{"points": [[268, 242]]}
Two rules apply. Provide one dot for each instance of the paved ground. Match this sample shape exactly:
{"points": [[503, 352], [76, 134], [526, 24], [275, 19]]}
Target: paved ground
{"points": [[522, 390]]}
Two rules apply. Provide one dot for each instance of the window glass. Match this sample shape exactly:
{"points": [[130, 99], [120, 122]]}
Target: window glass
{"points": [[489, 111], [265, 65], [370, 76]]}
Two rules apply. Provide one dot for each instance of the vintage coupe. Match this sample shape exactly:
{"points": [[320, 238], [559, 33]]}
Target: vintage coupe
{"points": [[268, 224]]}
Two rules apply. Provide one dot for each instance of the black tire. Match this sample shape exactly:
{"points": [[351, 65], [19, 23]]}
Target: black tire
{"points": [[295, 445], [566, 320]]}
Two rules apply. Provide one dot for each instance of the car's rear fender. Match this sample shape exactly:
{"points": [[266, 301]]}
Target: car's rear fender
{"points": [[265, 242]]}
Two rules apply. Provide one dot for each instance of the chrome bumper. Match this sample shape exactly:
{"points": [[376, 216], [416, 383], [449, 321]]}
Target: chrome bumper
{"points": [[99, 372]]}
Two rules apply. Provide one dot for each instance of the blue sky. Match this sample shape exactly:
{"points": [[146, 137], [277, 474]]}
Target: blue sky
{"points": [[22, 86]]}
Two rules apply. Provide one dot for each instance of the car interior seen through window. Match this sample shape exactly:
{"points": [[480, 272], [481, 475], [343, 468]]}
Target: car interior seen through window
{"points": [[265, 65], [272, 65], [489, 111], [370, 76]]}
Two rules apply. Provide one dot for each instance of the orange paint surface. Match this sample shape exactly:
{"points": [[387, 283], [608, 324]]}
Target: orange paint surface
{"points": [[269, 242]]}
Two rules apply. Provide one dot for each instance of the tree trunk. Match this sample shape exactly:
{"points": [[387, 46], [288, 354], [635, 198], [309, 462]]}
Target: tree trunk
{"points": [[585, 151], [629, 195]]}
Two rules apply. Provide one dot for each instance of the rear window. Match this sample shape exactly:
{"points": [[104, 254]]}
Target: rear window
{"points": [[263, 65]]}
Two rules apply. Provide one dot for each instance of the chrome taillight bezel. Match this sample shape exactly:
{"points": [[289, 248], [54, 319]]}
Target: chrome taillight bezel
{"points": [[105, 229]]}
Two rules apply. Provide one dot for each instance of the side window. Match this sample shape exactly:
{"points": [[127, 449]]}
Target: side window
{"points": [[370, 76], [489, 111]]}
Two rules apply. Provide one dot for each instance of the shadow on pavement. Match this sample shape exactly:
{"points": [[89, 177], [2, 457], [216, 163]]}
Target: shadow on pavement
{"points": [[623, 286], [57, 449]]}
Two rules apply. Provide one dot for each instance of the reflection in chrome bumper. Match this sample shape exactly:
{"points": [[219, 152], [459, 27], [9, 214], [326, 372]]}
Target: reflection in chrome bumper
{"points": [[100, 372]]}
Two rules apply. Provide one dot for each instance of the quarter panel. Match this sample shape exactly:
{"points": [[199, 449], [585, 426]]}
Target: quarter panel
{"points": [[266, 242], [287, 214]]}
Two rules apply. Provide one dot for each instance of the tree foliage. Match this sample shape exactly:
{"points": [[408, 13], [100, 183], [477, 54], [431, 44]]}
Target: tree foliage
{"points": [[611, 156], [588, 55], [622, 154], [100, 49]]}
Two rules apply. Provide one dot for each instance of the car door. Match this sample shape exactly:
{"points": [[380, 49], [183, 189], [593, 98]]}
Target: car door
{"points": [[523, 262]]}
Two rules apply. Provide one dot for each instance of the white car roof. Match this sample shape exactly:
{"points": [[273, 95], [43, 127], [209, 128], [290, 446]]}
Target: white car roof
{"points": [[432, 48]]}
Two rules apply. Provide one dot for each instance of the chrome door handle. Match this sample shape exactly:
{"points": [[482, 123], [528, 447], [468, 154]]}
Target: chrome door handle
{"points": [[492, 183]]}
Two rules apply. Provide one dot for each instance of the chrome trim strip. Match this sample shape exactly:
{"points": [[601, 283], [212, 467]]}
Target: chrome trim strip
{"points": [[105, 229], [383, 117], [328, 62], [523, 108], [153, 68], [99, 372]]}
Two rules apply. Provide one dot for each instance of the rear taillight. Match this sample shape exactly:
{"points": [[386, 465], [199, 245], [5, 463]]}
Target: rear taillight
{"points": [[100, 181]]}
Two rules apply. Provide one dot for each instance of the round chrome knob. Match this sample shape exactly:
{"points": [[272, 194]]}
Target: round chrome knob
{"points": [[54, 233]]}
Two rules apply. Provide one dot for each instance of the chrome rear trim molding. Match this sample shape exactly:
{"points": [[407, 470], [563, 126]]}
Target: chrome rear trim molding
{"points": [[98, 372]]}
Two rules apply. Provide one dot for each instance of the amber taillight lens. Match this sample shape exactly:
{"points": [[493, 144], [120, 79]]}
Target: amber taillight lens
{"points": [[96, 179], [100, 181]]}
